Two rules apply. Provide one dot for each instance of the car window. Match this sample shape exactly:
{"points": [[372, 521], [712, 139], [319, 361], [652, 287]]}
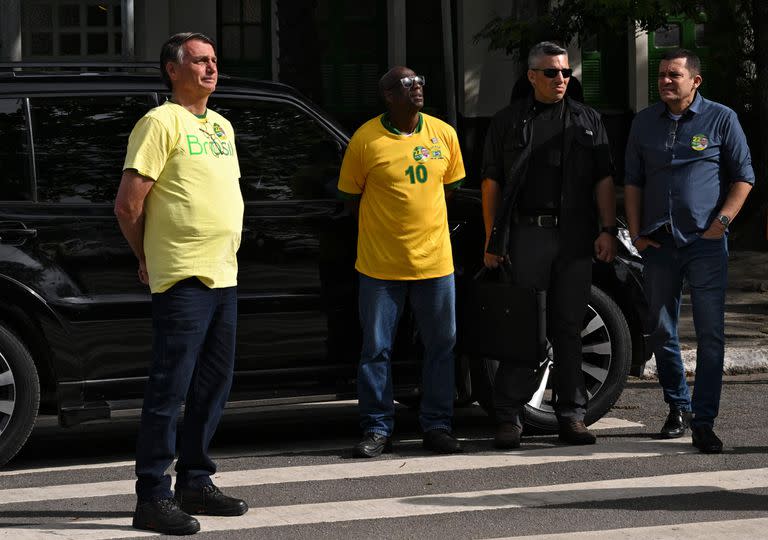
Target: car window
{"points": [[15, 183], [284, 153], [80, 144]]}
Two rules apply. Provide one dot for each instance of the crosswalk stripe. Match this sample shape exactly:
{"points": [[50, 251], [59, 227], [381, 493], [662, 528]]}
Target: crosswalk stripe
{"points": [[445, 503], [600, 425], [720, 530], [367, 469]]}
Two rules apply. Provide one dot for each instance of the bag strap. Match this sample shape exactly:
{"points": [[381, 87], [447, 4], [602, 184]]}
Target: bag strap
{"points": [[504, 272]]}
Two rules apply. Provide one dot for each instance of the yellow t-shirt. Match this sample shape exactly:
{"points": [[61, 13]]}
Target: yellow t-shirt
{"points": [[401, 178], [194, 211]]}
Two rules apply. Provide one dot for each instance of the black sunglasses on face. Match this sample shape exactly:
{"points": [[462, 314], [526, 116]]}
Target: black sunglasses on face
{"points": [[551, 73]]}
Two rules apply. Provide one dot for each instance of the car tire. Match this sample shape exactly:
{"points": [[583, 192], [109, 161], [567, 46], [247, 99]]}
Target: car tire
{"points": [[19, 395], [607, 346]]}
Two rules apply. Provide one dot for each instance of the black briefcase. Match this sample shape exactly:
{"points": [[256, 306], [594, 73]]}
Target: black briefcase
{"points": [[504, 321]]}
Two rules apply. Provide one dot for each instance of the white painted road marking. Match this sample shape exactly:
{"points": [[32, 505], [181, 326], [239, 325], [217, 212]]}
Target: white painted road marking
{"points": [[367, 469], [710, 530], [602, 424], [523, 497]]}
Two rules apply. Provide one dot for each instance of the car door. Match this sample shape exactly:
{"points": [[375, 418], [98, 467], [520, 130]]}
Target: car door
{"points": [[297, 329], [79, 148]]}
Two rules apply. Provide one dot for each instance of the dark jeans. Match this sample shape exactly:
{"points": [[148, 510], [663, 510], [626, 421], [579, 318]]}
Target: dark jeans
{"points": [[381, 305], [704, 266], [193, 359], [537, 261]]}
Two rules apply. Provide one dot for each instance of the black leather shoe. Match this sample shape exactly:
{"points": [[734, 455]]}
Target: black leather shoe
{"points": [[441, 441], [209, 500], [507, 435], [676, 425], [575, 432], [704, 439], [163, 515], [372, 445]]}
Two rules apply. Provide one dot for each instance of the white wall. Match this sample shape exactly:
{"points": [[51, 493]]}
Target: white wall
{"points": [[10, 30], [637, 75], [485, 78]]}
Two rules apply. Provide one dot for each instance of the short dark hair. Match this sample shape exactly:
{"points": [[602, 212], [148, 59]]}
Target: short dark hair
{"points": [[692, 61], [545, 48], [172, 51]]}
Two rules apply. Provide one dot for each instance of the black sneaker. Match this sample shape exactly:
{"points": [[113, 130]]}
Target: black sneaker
{"points": [[209, 500], [163, 515]]}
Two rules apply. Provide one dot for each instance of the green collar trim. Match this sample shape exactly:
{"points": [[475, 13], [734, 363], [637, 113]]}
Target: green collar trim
{"points": [[392, 129], [199, 116]]}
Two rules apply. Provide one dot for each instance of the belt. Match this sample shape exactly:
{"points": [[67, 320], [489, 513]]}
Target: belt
{"points": [[546, 221]]}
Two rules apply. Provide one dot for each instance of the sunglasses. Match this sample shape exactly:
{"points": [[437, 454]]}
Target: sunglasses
{"points": [[408, 82], [551, 73]]}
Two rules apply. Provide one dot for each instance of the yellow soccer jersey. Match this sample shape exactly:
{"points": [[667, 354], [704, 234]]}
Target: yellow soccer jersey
{"points": [[194, 211], [400, 179]]}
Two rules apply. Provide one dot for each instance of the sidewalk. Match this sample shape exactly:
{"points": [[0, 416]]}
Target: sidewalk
{"points": [[746, 318]]}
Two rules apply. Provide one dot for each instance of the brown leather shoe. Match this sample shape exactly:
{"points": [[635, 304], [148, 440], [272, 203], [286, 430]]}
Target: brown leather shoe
{"points": [[507, 435], [575, 432]]}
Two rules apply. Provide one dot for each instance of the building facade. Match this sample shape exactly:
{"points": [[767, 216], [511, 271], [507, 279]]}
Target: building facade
{"points": [[335, 50]]}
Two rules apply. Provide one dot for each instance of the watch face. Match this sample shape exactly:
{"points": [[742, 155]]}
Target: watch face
{"points": [[724, 220]]}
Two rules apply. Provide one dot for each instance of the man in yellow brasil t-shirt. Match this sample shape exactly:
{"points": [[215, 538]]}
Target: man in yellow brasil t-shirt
{"points": [[397, 167], [180, 208]]}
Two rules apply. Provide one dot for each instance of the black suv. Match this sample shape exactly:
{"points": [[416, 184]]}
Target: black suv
{"points": [[75, 321]]}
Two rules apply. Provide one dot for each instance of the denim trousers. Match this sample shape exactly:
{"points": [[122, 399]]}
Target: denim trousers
{"points": [[192, 361], [537, 260], [381, 305], [703, 265]]}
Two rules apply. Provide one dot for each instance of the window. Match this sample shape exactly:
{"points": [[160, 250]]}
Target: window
{"points": [[701, 36], [14, 152], [244, 41], [284, 153], [82, 28], [80, 145], [667, 36]]}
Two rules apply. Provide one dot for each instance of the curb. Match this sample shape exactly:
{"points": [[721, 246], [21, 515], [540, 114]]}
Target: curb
{"points": [[737, 360]]}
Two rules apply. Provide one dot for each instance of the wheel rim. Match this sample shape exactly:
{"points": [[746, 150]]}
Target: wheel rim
{"points": [[7, 394], [597, 355]]}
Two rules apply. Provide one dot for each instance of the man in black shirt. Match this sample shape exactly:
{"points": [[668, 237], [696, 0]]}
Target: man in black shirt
{"points": [[546, 178]]}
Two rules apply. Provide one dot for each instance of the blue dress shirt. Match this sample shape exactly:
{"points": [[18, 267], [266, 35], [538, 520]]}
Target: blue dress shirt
{"points": [[686, 167]]}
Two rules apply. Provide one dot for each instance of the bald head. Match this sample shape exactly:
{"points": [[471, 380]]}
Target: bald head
{"points": [[392, 78], [402, 90]]}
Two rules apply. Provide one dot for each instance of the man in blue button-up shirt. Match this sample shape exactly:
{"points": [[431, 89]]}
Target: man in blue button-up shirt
{"points": [[688, 172]]}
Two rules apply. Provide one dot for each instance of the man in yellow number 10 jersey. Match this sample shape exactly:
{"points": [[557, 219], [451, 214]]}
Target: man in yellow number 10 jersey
{"points": [[397, 168]]}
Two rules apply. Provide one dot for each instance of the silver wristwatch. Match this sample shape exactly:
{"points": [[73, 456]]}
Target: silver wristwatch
{"points": [[725, 220]]}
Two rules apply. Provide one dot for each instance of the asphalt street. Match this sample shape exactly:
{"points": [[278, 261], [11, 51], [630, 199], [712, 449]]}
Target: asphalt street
{"points": [[293, 465]]}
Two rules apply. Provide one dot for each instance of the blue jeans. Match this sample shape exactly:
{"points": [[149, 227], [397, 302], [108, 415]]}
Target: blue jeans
{"points": [[381, 305], [704, 266], [193, 360]]}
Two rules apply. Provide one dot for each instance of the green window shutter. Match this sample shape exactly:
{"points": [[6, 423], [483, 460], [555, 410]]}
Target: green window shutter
{"points": [[592, 77]]}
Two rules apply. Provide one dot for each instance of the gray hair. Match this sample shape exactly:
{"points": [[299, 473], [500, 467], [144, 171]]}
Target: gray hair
{"points": [[545, 48], [173, 51]]}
